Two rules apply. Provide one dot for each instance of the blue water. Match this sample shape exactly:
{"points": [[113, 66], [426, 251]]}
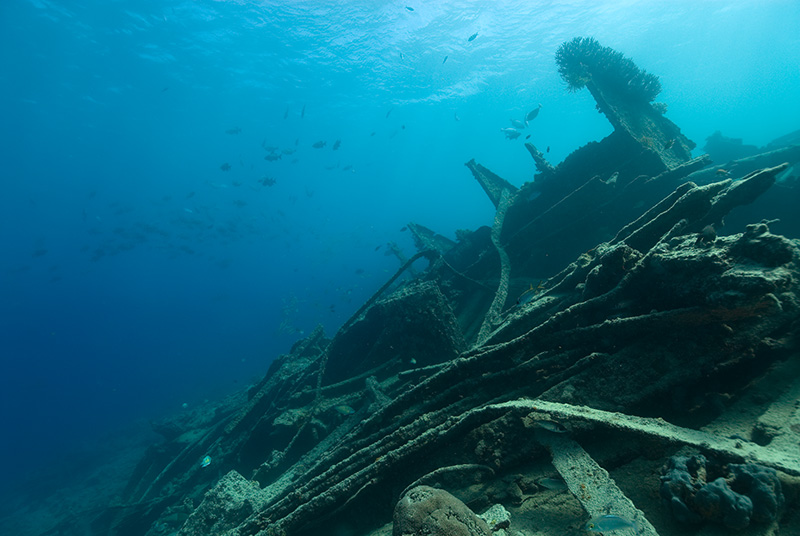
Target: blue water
{"points": [[137, 275]]}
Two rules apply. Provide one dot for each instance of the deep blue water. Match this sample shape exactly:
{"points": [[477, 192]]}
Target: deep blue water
{"points": [[137, 275]]}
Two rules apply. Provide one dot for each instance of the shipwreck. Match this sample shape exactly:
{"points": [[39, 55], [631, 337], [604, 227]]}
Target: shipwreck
{"points": [[657, 349]]}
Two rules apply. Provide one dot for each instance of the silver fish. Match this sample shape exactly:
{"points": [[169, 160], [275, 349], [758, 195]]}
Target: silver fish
{"points": [[510, 133], [344, 409], [532, 114], [554, 484], [550, 426]]}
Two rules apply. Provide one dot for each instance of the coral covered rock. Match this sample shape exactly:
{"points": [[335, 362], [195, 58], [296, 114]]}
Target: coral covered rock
{"points": [[225, 506], [434, 512]]}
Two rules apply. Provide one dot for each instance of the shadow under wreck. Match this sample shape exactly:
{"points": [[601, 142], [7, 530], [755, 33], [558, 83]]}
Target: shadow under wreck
{"points": [[644, 340]]}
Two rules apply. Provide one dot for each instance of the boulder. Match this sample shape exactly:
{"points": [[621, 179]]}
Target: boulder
{"points": [[434, 512]]}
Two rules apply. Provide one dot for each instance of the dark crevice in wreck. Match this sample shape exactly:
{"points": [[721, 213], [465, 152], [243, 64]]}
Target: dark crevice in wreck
{"points": [[636, 304]]}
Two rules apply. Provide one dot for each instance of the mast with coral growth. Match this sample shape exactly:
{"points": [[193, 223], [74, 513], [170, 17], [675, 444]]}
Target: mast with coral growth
{"points": [[624, 94]]}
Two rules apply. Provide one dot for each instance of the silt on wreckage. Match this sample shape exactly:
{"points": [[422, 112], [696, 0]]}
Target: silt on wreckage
{"points": [[647, 383]]}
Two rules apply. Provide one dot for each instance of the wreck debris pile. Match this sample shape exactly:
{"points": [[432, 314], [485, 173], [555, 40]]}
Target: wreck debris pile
{"points": [[641, 313]]}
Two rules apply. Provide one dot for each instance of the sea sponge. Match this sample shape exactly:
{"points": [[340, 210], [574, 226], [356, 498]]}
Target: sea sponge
{"points": [[740, 494], [718, 503], [763, 487], [583, 59], [682, 477]]}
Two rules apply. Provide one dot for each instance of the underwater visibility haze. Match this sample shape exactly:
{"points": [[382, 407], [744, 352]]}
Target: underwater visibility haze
{"points": [[189, 187]]}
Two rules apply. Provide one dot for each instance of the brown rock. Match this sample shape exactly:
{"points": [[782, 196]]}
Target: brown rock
{"points": [[426, 511]]}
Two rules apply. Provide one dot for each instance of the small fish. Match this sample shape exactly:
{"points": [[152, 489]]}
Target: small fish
{"points": [[528, 137], [378, 247], [319, 145], [669, 144], [550, 426], [233, 131], [511, 133], [553, 484], [286, 113], [344, 409], [444, 60], [516, 123], [708, 235], [206, 461], [405, 228], [336, 144], [548, 149], [609, 522], [532, 114], [527, 296], [303, 112], [225, 167], [271, 157], [409, 8], [389, 113], [472, 37], [722, 172], [455, 116]]}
